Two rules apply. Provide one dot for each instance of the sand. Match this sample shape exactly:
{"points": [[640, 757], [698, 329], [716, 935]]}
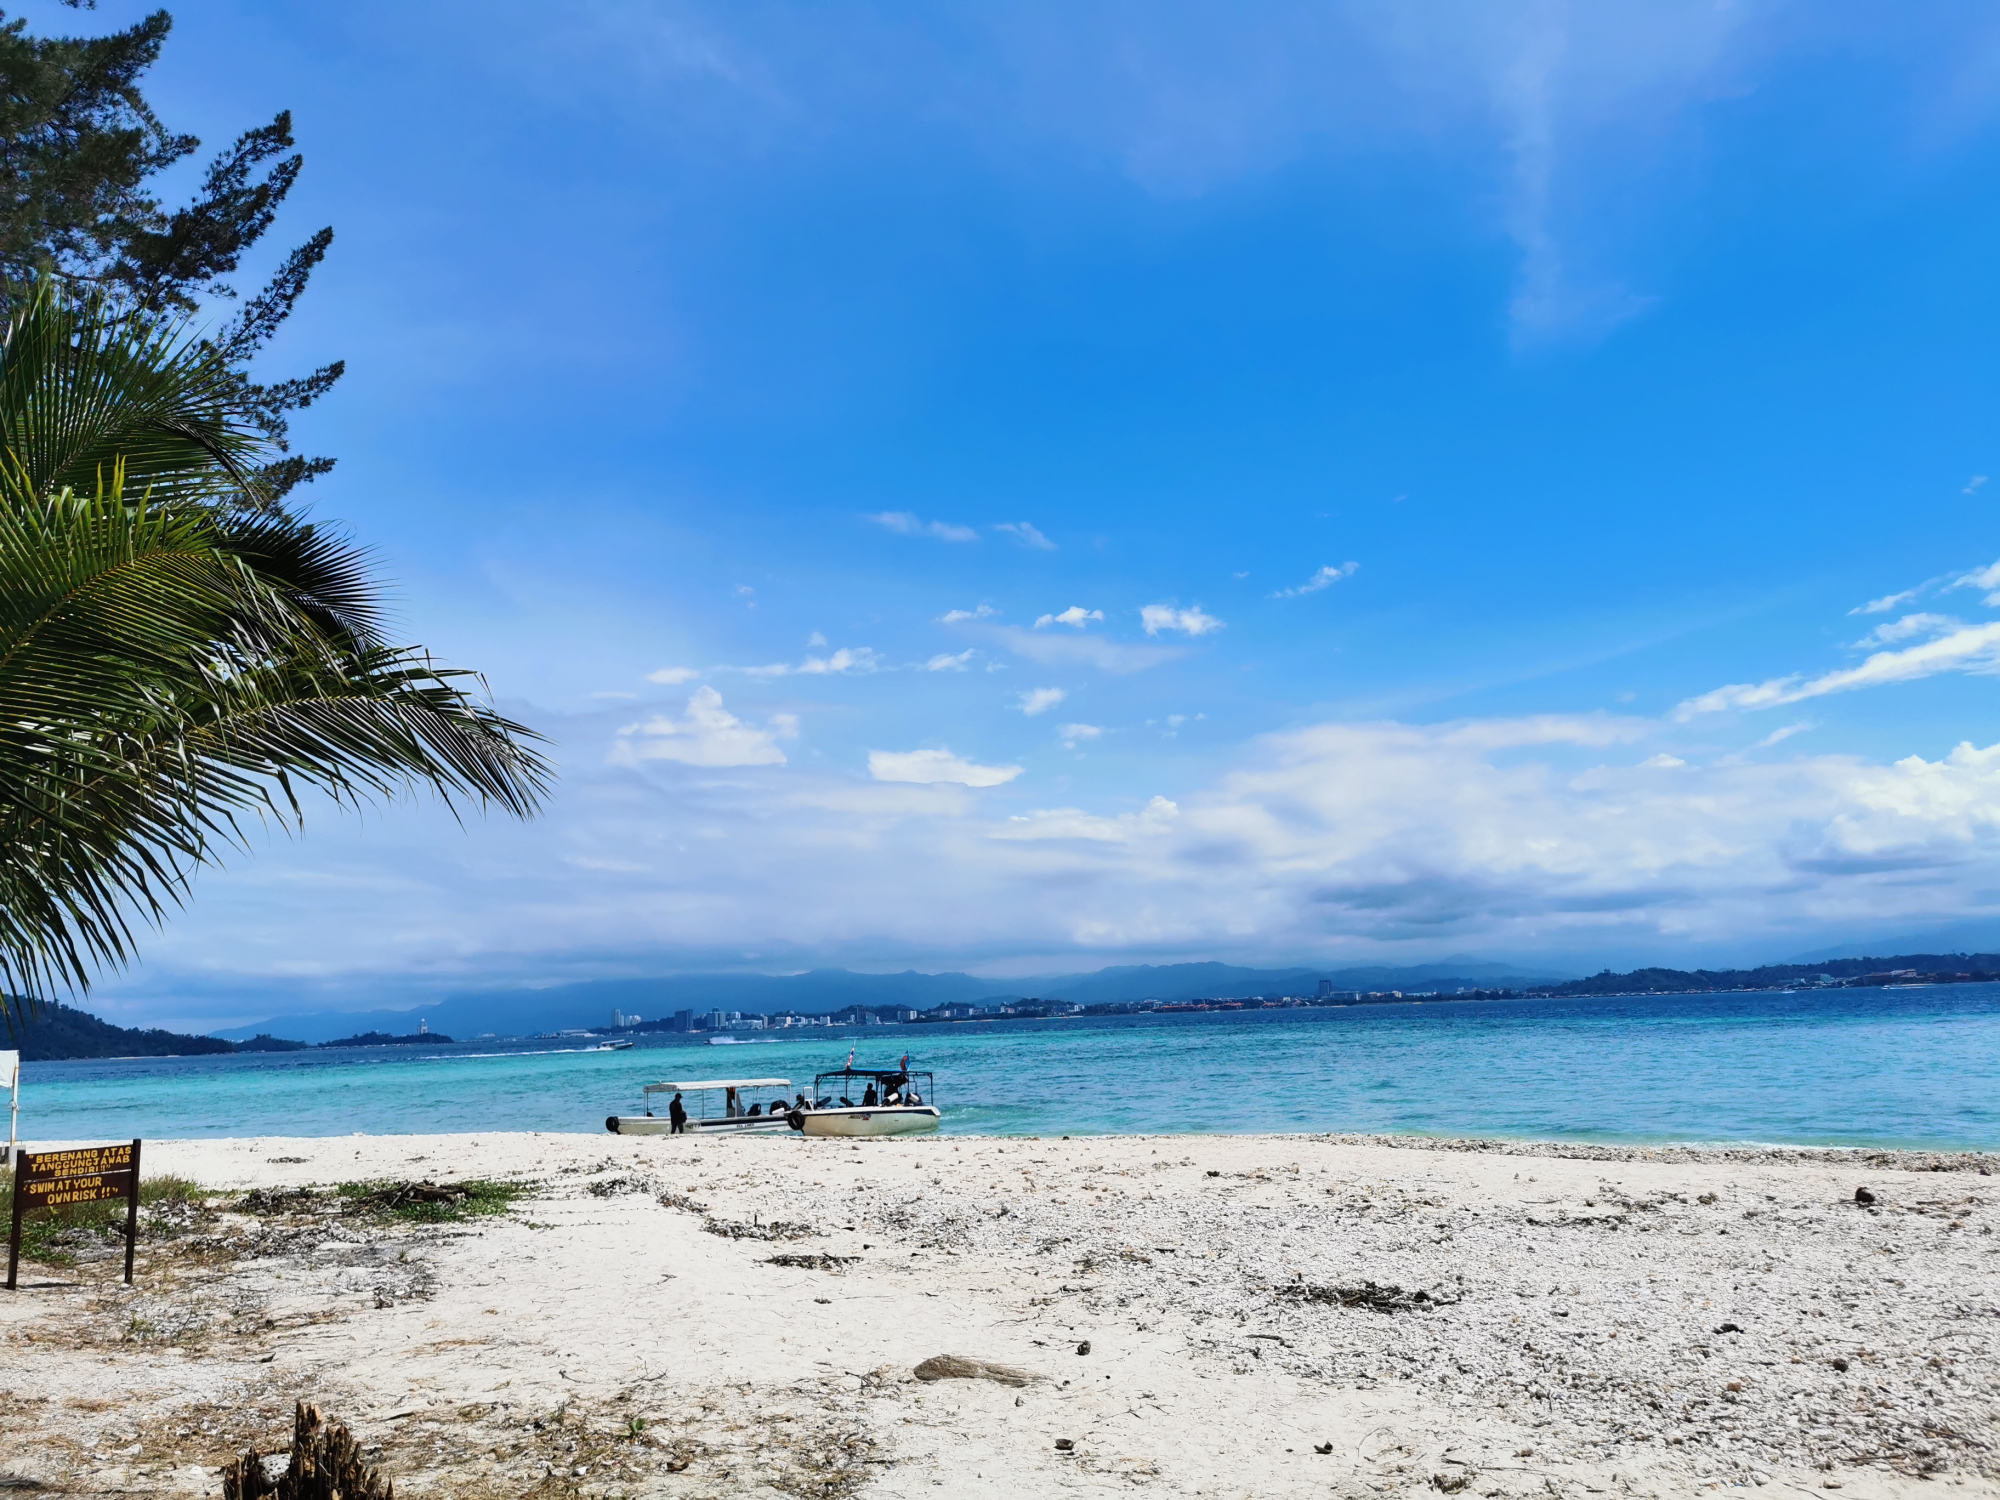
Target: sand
{"points": [[1263, 1316]]}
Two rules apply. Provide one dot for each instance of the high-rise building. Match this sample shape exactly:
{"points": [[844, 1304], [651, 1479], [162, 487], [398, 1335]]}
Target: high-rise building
{"points": [[1325, 988]]}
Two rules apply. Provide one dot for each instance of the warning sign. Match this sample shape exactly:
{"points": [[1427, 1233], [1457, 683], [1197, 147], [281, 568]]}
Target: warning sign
{"points": [[63, 1179]]}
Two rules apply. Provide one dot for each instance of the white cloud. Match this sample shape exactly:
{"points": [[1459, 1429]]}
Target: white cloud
{"points": [[1326, 577], [1662, 762], [1041, 700], [816, 639], [1888, 602], [1158, 617], [1909, 627], [905, 524], [709, 736], [935, 766], [1075, 734], [859, 660], [946, 662], [1075, 615], [1026, 535], [1981, 578], [1780, 735], [953, 616], [674, 676], [1157, 817], [1972, 649], [1973, 485]]}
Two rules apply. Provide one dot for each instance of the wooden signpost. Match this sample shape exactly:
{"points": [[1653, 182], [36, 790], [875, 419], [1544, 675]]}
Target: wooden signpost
{"points": [[87, 1174]]}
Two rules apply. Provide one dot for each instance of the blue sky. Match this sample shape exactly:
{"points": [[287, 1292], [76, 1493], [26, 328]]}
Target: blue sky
{"points": [[1022, 488]]}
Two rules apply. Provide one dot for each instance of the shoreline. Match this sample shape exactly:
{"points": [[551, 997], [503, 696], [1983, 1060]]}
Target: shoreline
{"points": [[1981, 1161], [1268, 1315]]}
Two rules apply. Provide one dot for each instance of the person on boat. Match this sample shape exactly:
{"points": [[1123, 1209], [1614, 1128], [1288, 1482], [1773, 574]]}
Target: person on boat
{"points": [[868, 1099], [800, 1103], [677, 1117], [732, 1107]]}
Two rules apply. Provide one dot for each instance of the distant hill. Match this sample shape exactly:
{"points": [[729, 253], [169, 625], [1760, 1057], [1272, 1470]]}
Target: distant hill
{"points": [[383, 1039], [524, 1012], [1777, 976], [58, 1032]]}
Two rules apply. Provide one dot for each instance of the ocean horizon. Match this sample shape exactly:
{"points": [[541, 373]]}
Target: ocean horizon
{"points": [[1901, 1069]]}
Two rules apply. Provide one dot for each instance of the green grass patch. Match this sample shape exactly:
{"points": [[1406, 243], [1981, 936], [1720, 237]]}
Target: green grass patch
{"points": [[430, 1202], [54, 1236]]}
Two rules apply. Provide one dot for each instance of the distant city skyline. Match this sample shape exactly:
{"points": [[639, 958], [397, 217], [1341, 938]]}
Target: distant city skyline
{"points": [[1025, 490]]}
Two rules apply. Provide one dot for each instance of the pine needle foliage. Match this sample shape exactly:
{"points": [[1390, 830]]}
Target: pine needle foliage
{"points": [[175, 656]]}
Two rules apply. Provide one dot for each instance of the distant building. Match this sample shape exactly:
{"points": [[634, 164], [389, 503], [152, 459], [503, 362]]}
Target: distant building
{"points": [[1325, 988], [684, 1020], [619, 1020], [717, 1021]]}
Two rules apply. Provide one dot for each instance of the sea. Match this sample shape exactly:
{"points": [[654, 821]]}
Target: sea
{"points": [[1909, 1068]]}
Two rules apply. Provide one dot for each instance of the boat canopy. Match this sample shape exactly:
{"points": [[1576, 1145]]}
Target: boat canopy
{"points": [[718, 1083]]}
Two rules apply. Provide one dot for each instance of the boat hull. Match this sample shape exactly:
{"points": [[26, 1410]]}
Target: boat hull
{"points": [[894, 1119], [659, 1125]]}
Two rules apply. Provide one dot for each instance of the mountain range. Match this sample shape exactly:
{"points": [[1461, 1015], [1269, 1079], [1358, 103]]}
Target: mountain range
{"points": [[525, 1011]]}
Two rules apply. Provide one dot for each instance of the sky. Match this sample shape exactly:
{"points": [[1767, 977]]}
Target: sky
{"points": [[1026, 488]]}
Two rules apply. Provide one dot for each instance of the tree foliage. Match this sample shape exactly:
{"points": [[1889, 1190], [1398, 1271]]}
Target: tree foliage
{"points": [[174, 654], [78, 147]]}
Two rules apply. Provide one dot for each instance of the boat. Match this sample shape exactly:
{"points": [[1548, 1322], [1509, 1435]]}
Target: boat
{"points": [[835, 1112], [612, 1047], [708, 1105]]}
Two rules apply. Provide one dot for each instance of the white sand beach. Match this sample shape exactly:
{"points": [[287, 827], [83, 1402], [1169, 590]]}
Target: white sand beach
{"points": [[1263, 1316]]}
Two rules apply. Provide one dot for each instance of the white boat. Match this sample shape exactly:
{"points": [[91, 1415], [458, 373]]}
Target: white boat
{"points": [[715, 1106], [868, 1101], [612, 1047]]}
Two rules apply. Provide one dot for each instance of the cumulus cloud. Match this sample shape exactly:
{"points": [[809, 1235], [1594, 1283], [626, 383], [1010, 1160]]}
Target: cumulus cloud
{"points": [[674, 676], [935, 766], [708, 736], [903, 523], [1987, 578], [1974, 485], [1041, 700], [953, 616], [1159, 617], [1326, 577], [1075, 615], [859, 660], [949, 662], [1026, 535], [1073, 735], [1974, 648]]}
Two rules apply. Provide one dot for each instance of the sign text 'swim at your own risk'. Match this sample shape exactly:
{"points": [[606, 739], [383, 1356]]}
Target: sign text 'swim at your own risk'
{"points": [[62, 1179]]}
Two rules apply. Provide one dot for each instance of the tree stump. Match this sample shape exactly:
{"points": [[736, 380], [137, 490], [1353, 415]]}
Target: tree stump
{"points": [[325, 1465]]}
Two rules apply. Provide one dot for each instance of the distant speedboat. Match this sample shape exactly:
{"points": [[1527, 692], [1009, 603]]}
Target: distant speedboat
{"points": [[893, 1101], [611, 1047]]}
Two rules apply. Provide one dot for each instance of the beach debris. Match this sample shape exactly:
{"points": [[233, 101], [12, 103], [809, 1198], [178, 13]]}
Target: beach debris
{"points": [[1368, 1294], [1728, 1328], [777, 1229], [1084, 1347], [963, 1367], [1451, 1481], [812, 1262], [1322, 1448], [1840, 1365], [325, 1464], [1065, 1445], [1863, 1196]]}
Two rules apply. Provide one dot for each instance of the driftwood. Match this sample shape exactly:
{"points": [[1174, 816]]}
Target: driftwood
{"points": [[325, 1465], [959, 1367]]}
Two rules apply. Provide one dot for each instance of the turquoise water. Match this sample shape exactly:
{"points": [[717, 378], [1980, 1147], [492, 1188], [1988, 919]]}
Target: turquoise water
{"points": [[1907, 1068]]}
